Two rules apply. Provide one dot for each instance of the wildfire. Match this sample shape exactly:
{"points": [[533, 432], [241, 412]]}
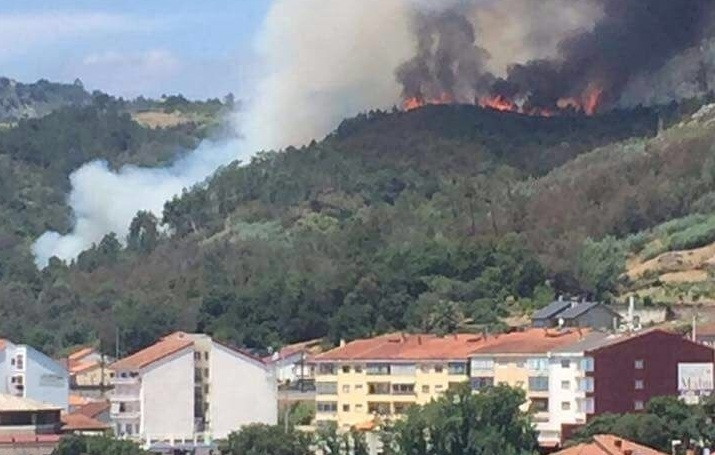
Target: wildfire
{"points": [[588, 103]]}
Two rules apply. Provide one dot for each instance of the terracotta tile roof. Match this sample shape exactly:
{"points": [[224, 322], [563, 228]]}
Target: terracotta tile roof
{"points": [[81, 422], [79, 367], [77, 400], [163, 348], [608, 444], [289, 350], [93, 408], [705, 329], [29, 439], [80, 353], [531, 341], [407, 347], [3, 343]]}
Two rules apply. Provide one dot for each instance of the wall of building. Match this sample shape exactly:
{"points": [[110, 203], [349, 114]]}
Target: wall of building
{"points": [[597, 317], [167, 397], [242, 391], [565, 371], [615, 374], [45, 380]]}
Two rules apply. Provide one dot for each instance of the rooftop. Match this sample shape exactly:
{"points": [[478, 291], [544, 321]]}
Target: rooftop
{"points": [[3, 343], [532, 341], [81, 353], [163, 348], [581, 308], [11, 403], [551, 309], [607, 444], [398, 346], [81, 422], [93, 408]]}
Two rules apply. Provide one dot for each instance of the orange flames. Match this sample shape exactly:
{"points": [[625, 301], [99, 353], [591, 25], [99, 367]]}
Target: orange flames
{"points": [[587, 103]]}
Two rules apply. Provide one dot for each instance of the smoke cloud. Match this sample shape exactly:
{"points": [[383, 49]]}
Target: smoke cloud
{"points": [[322, 61]]}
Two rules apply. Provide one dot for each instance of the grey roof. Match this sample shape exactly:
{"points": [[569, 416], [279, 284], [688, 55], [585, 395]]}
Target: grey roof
{"points": [[551, 310], [581, 308], [591, 341]]}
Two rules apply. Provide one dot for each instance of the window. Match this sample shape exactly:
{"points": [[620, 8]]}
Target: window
{"points": [[565, 405], [565, 363], [326, 388], [378, 388], [378, 369], [587, 364], [585, 384], [128, 428], [403, 389], [326, 368], [378, 408], [482, 364], [358, 368], [565, 385], [539, 405], [639, 384], [538, 364], [638, 405], [539, 383], [346, 388], [457, 368], [206, 388], [358, 407], [206, 372], [403, 369], [326, 406], [425, 368], [438, 388], [206, 355], [197, 355], [480, 383], [639, 364], [358, 386], [585, 405], [425, 389], [136, 428], [438, 368], [346, 368], [346, 408]]}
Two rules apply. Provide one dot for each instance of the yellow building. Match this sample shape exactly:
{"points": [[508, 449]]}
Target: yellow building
{"points": [[383, 376], [87, 368]]}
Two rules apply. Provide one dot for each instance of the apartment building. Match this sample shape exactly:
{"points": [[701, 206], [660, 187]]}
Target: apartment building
{"points": [[383, 376], [27, 373], [524, 360], [187, 389]]}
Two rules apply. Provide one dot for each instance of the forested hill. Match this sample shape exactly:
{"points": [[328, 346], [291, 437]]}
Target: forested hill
{"points": [[438, 219], [18, 100]]}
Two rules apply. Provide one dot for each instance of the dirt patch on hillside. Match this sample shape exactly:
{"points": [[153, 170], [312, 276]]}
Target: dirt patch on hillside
{"points": [[158, 119], [696, 261]]}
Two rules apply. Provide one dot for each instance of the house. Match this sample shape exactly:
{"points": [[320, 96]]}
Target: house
{"points": [[187, 389], [608, 444], [98, 410], [77, 423], [562, 313], [28, 373], [292, 362], [524, 360], [88, 370], [383, 376], [28, 426]]}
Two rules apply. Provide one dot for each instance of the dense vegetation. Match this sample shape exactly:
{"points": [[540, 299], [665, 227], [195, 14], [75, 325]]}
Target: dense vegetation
{"points": [[439, 219]]}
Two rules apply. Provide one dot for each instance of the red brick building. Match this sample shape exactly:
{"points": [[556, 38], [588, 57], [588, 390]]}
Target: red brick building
{"points": [[631, 370]]}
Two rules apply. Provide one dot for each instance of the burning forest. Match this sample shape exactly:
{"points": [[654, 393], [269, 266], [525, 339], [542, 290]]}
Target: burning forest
{"points": [[587, 74]]}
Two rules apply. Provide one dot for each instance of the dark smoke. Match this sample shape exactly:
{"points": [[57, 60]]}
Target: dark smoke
{"points": [[632, 38], [448, 63]]}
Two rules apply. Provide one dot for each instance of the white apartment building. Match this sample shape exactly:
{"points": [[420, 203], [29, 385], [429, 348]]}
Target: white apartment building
{"points": [[188, 389], [27, 373]]}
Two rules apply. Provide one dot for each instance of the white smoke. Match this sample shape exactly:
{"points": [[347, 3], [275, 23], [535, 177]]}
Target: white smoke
{"points": [[323, 61]]}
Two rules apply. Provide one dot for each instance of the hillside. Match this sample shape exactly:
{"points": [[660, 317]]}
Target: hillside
{"points": [[22, 101], [435, 219]]}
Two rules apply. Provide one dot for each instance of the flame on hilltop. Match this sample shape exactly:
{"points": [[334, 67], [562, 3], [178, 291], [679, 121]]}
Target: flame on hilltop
{"points": [[587, 103]]}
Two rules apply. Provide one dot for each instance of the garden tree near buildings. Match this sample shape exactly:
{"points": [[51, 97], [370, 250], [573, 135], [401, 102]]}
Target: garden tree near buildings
{"points": [[96, 445], [261, 439], [463, 423]]}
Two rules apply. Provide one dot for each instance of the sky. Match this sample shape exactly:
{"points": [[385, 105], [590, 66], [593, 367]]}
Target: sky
{"points": [[199, 48]]}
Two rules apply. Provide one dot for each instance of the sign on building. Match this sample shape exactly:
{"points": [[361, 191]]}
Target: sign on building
{"points": [[694, 381]]}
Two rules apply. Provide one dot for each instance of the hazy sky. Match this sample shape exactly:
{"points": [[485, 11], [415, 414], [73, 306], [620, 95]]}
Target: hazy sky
{"points": [[201, 48]]}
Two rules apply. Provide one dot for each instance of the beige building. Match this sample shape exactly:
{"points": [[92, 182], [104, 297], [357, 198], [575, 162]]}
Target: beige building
{"points": [[383, 376]]}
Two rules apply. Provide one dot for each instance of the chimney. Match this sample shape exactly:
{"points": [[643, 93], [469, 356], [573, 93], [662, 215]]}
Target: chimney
{"points": [[628, 452], [561, 298], [419, 339], [618, 443], [342, 342]]}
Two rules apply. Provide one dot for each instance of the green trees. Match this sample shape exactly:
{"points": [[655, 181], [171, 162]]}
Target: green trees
{"points": [[261, 439], [665, 419], [463, 423], [96, 445]]}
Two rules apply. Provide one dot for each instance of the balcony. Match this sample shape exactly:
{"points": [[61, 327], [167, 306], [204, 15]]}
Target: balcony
{"points": [[128, 380], [126, 415]]}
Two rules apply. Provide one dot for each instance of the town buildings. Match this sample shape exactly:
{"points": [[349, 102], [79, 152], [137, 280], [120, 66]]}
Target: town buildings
{"points": [[573, 313], [187, 389], [568, 375], [292, 362], [28, 426], [88, 371], [608, 444], [27, 373]]}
